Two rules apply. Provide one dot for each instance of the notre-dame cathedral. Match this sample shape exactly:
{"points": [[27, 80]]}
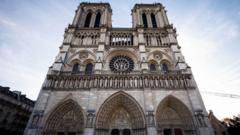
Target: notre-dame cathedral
{"points": [[119, 81]]}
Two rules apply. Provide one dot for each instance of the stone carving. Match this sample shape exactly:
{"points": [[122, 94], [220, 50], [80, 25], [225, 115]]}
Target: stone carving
{"points": [[121, 64], [90, 119], [150, 119], [120, 120], [200, 118], [130, 81], [37, 115]]}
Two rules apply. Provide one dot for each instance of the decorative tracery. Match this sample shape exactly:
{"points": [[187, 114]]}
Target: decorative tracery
{"points": [[121, 64]]}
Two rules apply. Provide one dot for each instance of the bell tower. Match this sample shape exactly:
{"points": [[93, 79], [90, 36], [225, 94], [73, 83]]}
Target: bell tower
{"points": [[149, 16], [93, 15]]}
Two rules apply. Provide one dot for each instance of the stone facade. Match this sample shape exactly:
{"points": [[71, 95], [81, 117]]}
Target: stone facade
{"points": [[119, 81], [218, 127], [15, 110]]}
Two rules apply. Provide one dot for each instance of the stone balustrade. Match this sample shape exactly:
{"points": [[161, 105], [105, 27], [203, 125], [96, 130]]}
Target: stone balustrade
{"points": [[121, 38], [118, 81]]}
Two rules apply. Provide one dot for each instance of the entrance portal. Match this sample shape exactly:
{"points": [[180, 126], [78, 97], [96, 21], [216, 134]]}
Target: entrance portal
{"points": [[121, 113], [174, 117], [66, 119]]}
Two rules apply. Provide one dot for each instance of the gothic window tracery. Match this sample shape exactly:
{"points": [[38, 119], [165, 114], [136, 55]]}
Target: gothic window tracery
{"points": [[121, 64]]}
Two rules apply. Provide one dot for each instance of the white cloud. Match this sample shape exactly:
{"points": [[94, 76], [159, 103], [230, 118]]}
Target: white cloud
{"points": [[6, 22], [206, 37]]}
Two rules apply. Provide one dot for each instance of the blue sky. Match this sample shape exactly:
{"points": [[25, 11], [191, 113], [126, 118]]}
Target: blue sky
{"points": [[209, 32]]}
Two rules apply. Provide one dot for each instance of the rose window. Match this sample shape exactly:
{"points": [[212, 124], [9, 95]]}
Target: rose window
{"points": [[121, 64]]}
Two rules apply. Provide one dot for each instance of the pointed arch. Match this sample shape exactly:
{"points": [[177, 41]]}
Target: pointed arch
{"points": [[66, 117], [173, 115], [144, 20], [97, 20], [153, 19], [75, 68], [117, 103], [89, 69], [88, 20]]}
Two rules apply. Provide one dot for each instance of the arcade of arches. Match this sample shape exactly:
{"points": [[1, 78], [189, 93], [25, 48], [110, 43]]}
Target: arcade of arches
{"points": [[121, 114]]}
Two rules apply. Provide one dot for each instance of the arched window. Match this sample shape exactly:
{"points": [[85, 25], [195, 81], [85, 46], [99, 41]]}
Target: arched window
{"points": [[144, 19], [89, 69], [88, 20], [75, 68], [165, 68], [97, 20], [152, 67], [154, 23]]}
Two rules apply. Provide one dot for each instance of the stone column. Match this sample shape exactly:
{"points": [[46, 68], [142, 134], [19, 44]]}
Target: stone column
{"points": [[149, 20], [138, 18], [104, 17], [160, 19], [100, 51], [164, 13], [92, 22], [142, 50]]}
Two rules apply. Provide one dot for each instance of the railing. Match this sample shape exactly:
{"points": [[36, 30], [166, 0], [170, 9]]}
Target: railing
{"points": [[119, 81], [121, 38]]}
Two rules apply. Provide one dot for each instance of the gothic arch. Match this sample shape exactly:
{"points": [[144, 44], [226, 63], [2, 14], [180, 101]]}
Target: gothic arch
{"points": [[173, 114], [132, 114], [97, 22], [68, 117], [162, 55], [88, 18], [77, 56]]}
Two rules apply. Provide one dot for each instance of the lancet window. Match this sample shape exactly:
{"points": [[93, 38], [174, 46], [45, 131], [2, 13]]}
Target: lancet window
{"points": [[97, 20], [153, 19], [144, 20], [88, 20], [75, 68]]}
